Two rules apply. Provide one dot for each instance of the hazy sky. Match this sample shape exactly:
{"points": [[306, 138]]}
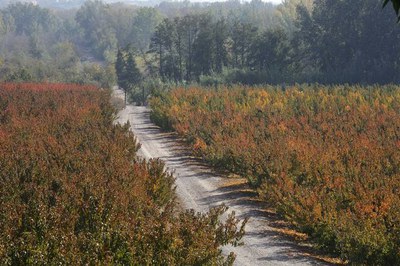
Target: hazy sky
{"points": [[271, 1]]}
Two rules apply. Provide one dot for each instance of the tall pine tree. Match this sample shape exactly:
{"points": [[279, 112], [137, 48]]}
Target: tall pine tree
{"points": [[133, 75], [120, 68], [120, 71]]}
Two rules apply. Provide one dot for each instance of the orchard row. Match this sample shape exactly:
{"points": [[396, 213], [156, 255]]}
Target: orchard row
{"points": [[73, 191], [327, 157]]}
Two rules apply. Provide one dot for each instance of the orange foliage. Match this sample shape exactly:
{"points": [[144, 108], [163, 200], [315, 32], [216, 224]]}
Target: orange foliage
{"points": [[73, 191], [327, 157]]}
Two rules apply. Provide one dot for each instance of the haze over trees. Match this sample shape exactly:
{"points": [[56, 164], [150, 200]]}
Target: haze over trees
{"points": [[31, 36], [325, 41], [230, 42]]}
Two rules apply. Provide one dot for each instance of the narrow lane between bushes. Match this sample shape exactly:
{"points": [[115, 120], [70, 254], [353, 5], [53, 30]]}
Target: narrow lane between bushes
{"points": [[199, 188]]}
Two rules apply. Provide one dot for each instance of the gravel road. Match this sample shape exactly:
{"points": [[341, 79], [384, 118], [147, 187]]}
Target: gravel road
{"points": [[199, 188]]}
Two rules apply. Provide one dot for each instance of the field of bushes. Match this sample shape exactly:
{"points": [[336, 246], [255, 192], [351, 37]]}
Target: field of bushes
{"points": [[328, 158], [73, 191]]}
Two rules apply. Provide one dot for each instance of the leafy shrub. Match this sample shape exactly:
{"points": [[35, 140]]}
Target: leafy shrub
{"points": [[73, 191], [327, 157]]}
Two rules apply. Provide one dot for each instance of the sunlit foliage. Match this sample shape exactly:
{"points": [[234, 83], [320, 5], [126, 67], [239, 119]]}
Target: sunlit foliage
{"points": [[327, 157], [73, 191]]}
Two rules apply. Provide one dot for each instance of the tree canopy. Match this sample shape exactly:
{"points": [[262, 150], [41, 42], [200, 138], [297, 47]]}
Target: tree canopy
{"points": [[253, 42]]}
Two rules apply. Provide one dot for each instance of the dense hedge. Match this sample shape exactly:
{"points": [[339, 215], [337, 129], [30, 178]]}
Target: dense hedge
{"points": [[73, 191], [327, 157]]}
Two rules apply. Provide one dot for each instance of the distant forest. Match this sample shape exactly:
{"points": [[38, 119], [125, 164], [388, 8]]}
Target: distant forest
{"points": [[325, 41]]}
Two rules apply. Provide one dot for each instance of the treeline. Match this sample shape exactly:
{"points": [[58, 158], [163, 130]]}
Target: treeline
{"points": [[329, 41], [80, 45], [201, 45], [231, 42], [47, 3], [328, 158], [38, 44], [74, 192]]}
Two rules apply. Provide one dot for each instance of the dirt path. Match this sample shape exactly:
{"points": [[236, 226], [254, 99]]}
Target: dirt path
{"points": [[199, 188]]}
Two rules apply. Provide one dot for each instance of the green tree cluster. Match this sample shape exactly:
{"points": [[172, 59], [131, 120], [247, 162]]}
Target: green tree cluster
{"points": [[92, 33], [93, 18], [186, 48], [351, 42], [79, 46], [28, 19], [327, 41], [128, 74], [253, 42], [38, 44]]}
